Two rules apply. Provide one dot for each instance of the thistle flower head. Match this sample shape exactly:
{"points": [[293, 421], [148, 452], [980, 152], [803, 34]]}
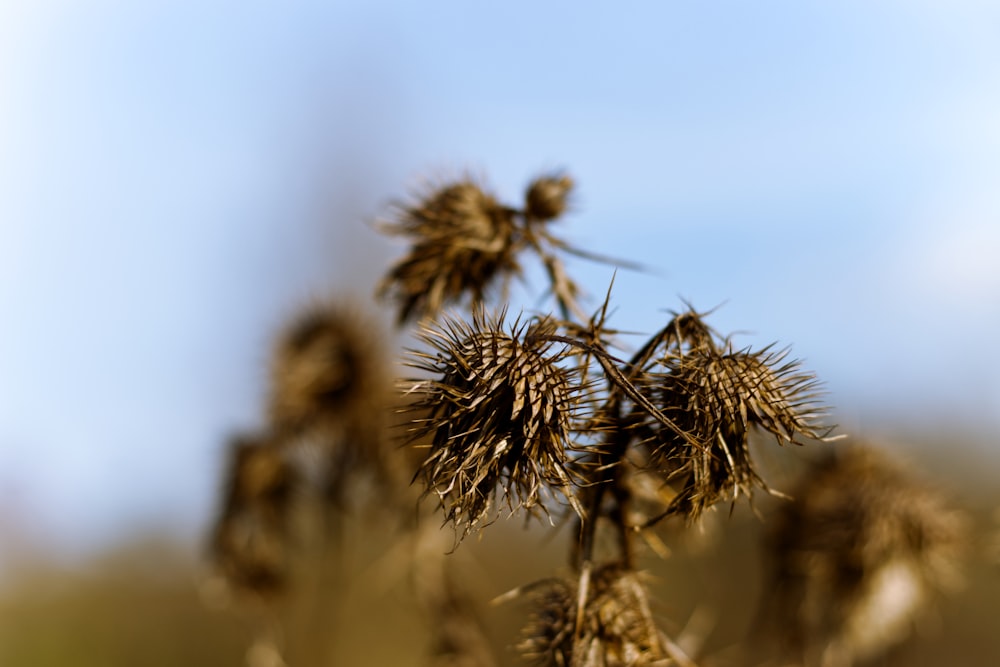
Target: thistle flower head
{"points": [[616, 630], [857, 555], [463, 240], [717, 397], [499, 412]]}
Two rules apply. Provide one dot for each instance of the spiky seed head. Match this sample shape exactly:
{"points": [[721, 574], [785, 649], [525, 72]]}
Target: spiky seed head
{"points": [[499, 410], [717, 398], [463, 241], [548, 197], [858, 555], [249, 543], [327, 365], [616, 631], [330, 387]]}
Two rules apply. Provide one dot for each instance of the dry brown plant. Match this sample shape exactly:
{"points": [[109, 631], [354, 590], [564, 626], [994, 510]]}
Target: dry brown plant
{"points": [[535, 416], [250, 542], [858, 557], [499, 410]]}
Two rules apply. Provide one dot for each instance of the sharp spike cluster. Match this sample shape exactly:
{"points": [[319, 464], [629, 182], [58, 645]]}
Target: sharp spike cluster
{"points": [[500, 406]]}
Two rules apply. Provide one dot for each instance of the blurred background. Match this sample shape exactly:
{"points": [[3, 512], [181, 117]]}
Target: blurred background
{"points": [[178, 178]]}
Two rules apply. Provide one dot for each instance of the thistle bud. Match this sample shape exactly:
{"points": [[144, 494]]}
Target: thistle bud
{"points": [[547, 197]]}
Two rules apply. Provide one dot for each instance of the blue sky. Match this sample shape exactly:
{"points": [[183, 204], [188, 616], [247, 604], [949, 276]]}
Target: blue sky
{"points": [[177, 178]]}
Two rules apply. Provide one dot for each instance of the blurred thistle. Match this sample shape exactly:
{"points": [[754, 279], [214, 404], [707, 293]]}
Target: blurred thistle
{"points": [[857, 557], [616, 628], [500, 408], [330, 388], [463, 242], [250, 541], [328, 365], [548, 197], [466, 244]]}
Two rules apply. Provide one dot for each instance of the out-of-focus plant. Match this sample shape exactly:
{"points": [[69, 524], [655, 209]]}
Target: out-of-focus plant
{"points": [[857, 556]]}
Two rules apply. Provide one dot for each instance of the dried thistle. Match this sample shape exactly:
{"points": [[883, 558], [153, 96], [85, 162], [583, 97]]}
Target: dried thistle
{"points": [[500, 408], [499, 415], [464, 240], [616, 629], [464, 244], [328, 365], [547, 197], [858, 556], [717, 398], [250, 540], [330, 386]]}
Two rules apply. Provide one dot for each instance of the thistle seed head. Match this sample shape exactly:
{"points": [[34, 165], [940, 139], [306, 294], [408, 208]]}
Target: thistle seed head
{"points": [[617, 629], [330, 387], [857, 556], [249, 543], [717, 398], [499, 413], [327, 365], [548, 197], [463, 240]]}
